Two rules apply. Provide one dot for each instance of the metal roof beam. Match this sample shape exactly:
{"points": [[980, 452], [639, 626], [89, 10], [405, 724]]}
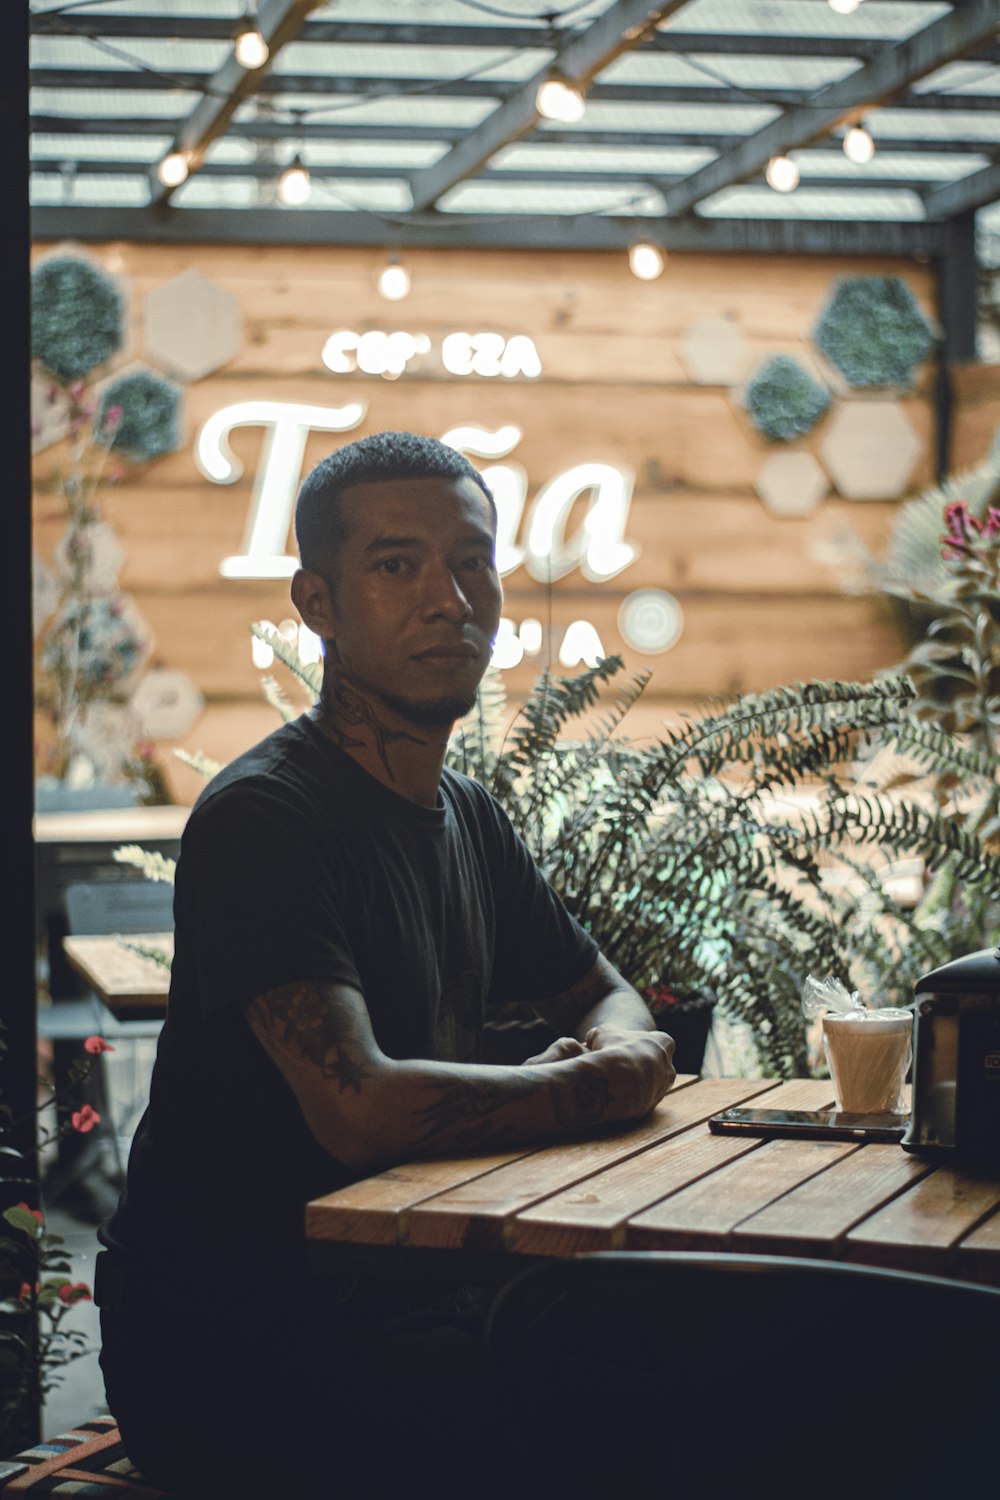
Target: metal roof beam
{"points": [[434, 34], [637, 177], [278, 22], [585, 54], [942, 41], [321, 130], [973, 191], [446, 231], [367, 85]]}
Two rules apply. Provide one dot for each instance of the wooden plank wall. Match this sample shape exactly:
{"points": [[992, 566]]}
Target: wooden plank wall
{"points": [[760, 605]]}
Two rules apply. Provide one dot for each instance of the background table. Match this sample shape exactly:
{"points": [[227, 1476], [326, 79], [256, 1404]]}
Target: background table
{"points": [[130, 984], [668, 1184]]}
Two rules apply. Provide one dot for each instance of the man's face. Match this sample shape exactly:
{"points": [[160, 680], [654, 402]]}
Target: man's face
{"points": [[415, 594]]}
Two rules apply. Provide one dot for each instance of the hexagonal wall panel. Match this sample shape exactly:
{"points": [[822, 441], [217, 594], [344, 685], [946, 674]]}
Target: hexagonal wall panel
{"points": [[49, 413], [791, 484], [714, 352], [873, 331], [101, 560], [102, 739], [192, 326], [783, 399], [870, 449], [105, 641], [167, 704]]}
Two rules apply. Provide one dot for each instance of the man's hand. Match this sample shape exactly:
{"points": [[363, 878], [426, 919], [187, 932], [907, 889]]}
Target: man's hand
{"points": [[637, 1065], [557, 1051]]}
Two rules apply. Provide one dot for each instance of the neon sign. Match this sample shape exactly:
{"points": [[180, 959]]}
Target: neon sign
{"points": [[376, 352], [649, 620]]}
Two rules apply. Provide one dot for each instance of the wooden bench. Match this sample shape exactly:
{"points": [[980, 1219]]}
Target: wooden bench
{"points": [[89, 1460]]}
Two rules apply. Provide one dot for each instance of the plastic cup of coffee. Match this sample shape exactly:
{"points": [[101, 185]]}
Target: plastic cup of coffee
{"points": [[869, 1052]]}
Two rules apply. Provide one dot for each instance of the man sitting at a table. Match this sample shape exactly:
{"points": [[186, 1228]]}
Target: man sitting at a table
{"points": [[346, 909]]}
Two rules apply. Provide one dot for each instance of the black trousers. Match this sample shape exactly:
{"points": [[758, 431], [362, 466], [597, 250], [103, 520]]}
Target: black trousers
{"points": [[332, 1390]]}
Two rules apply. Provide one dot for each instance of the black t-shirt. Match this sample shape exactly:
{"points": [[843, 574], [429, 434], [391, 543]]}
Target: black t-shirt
{"points": [[297, 864]]}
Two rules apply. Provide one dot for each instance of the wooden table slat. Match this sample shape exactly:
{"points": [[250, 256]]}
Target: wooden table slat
{"points": [[979, 1253], [592, 1215], [820, 1212], [480, 1213], [920, 1229], [668, 1183], [704, 1215]]}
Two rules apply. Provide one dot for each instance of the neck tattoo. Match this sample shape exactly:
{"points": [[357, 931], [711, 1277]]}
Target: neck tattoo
{"points": [[344, 710]]}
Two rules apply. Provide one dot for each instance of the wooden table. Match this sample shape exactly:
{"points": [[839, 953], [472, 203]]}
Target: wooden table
{"points": [[130, 985], [668, 1184]]}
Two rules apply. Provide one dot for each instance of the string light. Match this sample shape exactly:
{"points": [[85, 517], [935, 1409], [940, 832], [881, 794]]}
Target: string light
{"points": [[858, 145], [173, 169], [646, 261], [251, 49], [294, 184], [393, 280], [782, 174], [558, 100], [844, 7]]}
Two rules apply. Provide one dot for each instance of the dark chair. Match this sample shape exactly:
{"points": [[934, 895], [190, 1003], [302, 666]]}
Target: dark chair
{"points": [[725, 1377], [100, 908]]}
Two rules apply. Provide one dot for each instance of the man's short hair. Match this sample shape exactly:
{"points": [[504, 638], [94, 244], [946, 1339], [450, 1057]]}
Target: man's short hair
{"points": [[319, 524]]}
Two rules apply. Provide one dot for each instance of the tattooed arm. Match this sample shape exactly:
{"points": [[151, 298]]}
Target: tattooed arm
{"points": [[365, 1108], [601, 1001]]}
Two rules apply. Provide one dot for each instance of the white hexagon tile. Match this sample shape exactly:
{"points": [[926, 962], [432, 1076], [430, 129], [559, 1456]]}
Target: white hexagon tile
{"points": [[714, 352], [167, 704], [192, 326], [870, 449], [791, 484], [102, 560]]}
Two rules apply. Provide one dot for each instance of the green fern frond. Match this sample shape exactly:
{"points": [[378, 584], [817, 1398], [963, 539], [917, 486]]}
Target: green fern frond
{"points": [[200, 762], [310, 674], [276, 697], [146, 950], [155, 866]]}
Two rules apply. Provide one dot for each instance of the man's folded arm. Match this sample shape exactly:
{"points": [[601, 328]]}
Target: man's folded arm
{"points": [[366, 1108], [602, 1000]]}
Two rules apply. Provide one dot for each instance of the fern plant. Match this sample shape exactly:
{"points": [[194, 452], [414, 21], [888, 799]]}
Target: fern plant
{"points": [[748, 847], [745, 849]]}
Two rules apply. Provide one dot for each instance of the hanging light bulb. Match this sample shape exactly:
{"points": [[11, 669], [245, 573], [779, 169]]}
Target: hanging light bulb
{"points": [[173, 169], [844, 7], [782, 174], [558, 100], [294, 184], [646, 261], [251, 49], [858, 145], [394, 280]]}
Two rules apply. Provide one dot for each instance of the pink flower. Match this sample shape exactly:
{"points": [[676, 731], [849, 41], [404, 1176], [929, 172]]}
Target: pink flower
{"points": [[97, 1044], [84, 1119], [24, 1294], [992, 523], [74, 1292], [36, 1211]]}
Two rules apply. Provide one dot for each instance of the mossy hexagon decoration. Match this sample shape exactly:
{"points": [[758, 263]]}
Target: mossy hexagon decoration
{"points": [[873, 331], [142, 410], [77, 316], [783, 400]]}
